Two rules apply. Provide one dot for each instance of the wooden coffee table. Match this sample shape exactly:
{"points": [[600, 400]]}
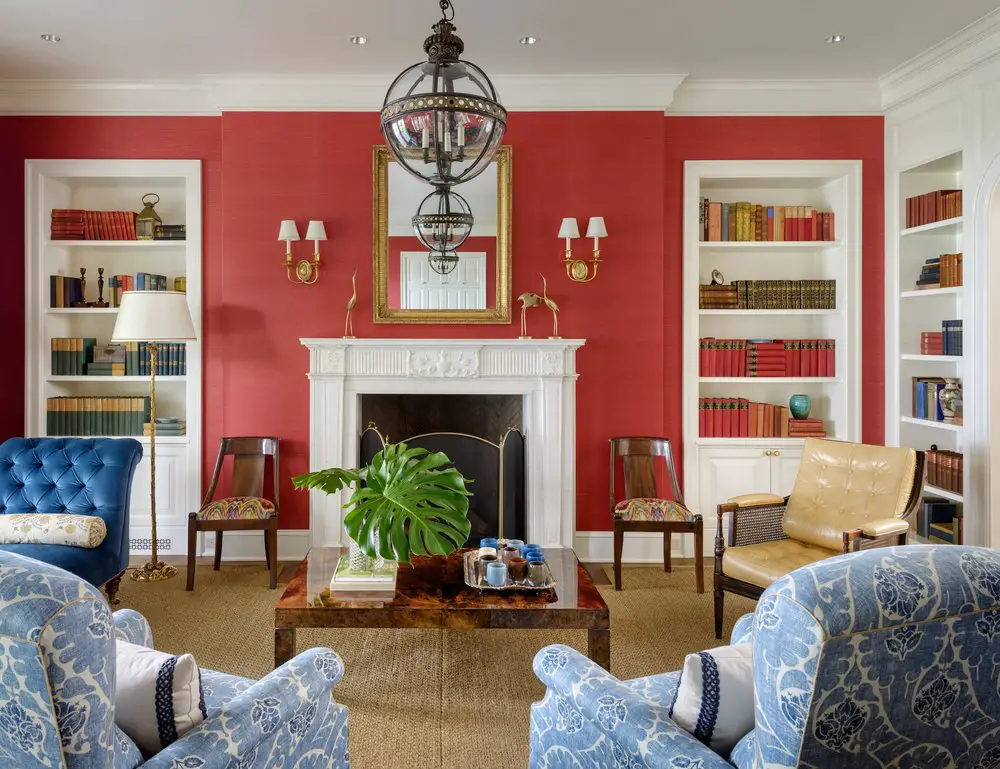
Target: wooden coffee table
{"points": [[433, 594]]}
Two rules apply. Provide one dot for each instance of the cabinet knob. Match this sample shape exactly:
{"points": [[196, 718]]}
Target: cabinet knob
{"points": [[775, 453], [768, 453]]}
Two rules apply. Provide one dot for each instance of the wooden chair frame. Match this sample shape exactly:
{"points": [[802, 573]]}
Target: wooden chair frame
{"points": [[249, 459], [768, 519], [638, 459]]}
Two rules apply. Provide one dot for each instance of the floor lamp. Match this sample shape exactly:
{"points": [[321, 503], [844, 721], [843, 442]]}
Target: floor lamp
{"points": [[153, 317]]}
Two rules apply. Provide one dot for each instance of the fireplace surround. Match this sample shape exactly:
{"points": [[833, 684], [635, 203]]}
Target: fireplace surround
{"points": [[541, 371]]}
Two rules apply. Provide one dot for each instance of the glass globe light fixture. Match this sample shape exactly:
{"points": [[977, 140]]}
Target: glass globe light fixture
{"points": [[442, 262], [442, 118], [443, 220]]}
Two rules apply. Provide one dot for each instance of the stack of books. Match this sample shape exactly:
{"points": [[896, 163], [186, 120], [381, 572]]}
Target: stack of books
{"points": [[951, 337], [931, 343], [77, 224], [750, 222], [70, 356], [945, 469], [933, 207], [767, 357], [108, 360], [170, 232], [64, 291], [926, 404], [166, 426], [770, 295], [67, 224], [806, 428]]}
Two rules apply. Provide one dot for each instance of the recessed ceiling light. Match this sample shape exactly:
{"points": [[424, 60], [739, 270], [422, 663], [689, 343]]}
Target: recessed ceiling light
{"points": [[48, 38], [529, 40], [836, 38], [358, 39]]}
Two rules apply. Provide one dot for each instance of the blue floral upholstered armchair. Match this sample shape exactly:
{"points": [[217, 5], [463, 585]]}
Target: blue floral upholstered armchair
{"points": [[57, 690], [882, 658], [55, 479]]}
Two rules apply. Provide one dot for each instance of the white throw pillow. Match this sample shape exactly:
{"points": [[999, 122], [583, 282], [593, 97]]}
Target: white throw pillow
{"points": [[714, 699], [52, 529], [158, 696]]}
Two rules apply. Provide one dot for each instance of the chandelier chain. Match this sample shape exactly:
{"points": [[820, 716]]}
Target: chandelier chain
{"points": [[447, 7]]}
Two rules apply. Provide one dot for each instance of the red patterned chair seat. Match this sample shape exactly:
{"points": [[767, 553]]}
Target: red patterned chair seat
{"points": [[646, 509], [237, 509]]}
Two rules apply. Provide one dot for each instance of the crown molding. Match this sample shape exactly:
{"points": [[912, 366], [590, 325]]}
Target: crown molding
{"points": [[317, 93], [969, 48], [777, 97]]}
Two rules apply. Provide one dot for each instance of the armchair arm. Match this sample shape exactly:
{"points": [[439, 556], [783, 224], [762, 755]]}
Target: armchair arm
{"points": [[743, 630], [753, 518], [299, 689], [637, 727], [892, 530], [132, 627], [884, 527]]}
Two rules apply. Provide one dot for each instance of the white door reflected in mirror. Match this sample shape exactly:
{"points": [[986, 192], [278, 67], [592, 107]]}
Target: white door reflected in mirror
{"points": [[421, 288]]}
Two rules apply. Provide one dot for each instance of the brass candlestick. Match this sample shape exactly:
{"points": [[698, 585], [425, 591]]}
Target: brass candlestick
{"points": [[154, 570], [82, 301], [100, 289]]}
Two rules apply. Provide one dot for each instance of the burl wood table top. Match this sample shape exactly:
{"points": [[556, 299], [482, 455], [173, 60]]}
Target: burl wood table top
{"points": [[432, 593]]}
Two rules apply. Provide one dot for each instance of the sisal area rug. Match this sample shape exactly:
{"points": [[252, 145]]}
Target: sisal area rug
{"points": [[429, 698]]}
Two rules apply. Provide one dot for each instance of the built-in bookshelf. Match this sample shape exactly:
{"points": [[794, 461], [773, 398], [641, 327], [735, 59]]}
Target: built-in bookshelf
{"points": [[91, 391], [802, 338], [926, 314]]}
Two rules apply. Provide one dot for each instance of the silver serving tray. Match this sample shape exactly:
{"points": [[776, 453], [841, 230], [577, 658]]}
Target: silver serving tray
{"points": [[471, 578]]}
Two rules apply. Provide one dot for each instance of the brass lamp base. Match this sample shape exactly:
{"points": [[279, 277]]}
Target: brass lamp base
{"points": [[153, 572]]}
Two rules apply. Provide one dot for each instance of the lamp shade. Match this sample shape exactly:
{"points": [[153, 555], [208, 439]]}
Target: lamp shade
{"points": [[596, 228], [153, 316], [569, 229], [316, 230], [288, 230]]}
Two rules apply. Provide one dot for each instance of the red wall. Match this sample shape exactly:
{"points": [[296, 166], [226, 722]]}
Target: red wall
{"points": [[398, 244], [260, 168]]}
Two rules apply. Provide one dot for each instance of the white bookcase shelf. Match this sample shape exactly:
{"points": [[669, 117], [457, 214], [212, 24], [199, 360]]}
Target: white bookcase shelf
{"points": [[909, 312], [118, 185], [718, 468]]}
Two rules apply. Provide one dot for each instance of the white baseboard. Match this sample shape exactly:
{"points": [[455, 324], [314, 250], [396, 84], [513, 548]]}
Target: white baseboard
{"points": [[639, 547], [293, 544]]}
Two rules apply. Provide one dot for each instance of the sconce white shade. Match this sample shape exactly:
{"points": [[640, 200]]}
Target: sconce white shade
{"points": [[153, 316], [596, 228], [316, 230], [569, 229], [288, 231]]}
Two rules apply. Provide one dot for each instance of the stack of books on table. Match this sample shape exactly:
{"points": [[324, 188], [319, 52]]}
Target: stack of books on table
{"points": [[806, 428], [347, 580], [166, 426]]}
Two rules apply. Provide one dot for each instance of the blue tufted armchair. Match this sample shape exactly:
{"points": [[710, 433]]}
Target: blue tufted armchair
{"points": [[82, 476], [882, 658], [57, 681]]}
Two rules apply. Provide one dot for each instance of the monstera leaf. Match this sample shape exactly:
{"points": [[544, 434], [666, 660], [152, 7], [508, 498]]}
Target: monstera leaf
{"points": [[405, 501]]}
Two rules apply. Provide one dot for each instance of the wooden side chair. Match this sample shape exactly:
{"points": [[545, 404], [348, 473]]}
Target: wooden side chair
{"points": [[246, 509], [644, 508]]}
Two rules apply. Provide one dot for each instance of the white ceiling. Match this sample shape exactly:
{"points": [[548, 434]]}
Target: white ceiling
{"points": [[180, 39]]}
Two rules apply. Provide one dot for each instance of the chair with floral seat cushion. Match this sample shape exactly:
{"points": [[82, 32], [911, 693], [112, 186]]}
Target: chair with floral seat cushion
{"points": [[644, 508], [246, 508], [878, 659]]}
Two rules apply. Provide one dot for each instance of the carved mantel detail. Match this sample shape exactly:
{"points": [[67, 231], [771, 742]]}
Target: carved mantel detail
{"points": [[444, 363]]}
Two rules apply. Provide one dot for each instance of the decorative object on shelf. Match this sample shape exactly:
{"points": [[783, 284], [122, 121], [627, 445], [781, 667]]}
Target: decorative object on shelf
{"points": [[442, 118], [100, 289], [800, 405], [147, 220], [718, 278], [552, 306], [349, 320], [406, 500], [443, 220], [82, 301], [153, 317], [527, 299], [950, 397]]}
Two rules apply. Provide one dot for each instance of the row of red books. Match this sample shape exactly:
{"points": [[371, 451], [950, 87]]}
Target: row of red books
{"points": [[933, 207], [741, 418], [767, 358], [931, 343], [945, 469], [76, 224]]}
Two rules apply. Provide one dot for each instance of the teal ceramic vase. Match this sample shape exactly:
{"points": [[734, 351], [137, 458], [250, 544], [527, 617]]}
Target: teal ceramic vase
{"points": [[800, 406]]}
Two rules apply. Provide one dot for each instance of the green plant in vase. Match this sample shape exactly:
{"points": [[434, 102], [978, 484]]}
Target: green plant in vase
{"points": [[405, 501]]}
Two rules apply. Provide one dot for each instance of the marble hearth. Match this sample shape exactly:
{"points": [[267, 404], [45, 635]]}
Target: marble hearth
{"points": [[541, 371]]}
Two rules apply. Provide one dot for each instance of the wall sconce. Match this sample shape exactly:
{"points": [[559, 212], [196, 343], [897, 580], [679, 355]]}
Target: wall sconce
{"points": [[578, 270], [305, 271]]}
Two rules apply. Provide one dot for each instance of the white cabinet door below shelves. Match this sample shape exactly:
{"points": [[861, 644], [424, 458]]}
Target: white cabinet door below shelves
{"points": [[725, 473], [784, 467], [171, 493]]}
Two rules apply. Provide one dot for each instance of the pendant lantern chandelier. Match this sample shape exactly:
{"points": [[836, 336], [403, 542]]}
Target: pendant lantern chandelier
{"points": [[442, 262], [443, 221], [442, 118]]}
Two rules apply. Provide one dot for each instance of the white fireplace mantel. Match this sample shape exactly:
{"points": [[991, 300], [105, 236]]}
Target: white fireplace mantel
{"points": [[542, 371]]}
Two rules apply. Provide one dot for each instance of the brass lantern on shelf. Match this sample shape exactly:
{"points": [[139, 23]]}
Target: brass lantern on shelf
{"points": [[147, 220]]}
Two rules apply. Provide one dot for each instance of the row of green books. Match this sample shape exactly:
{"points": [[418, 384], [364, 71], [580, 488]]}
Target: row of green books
{"points": [[97, 416], [76, 356]]}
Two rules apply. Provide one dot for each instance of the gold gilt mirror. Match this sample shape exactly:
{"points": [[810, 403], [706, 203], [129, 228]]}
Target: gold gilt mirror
{"points": [[414, 285]]}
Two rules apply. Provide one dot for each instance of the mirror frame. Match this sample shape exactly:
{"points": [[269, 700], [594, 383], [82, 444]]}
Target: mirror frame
{"points": [[381, 311]]}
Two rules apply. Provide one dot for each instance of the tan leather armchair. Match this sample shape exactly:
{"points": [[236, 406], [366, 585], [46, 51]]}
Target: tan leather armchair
{"points": [[846, 496]]}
